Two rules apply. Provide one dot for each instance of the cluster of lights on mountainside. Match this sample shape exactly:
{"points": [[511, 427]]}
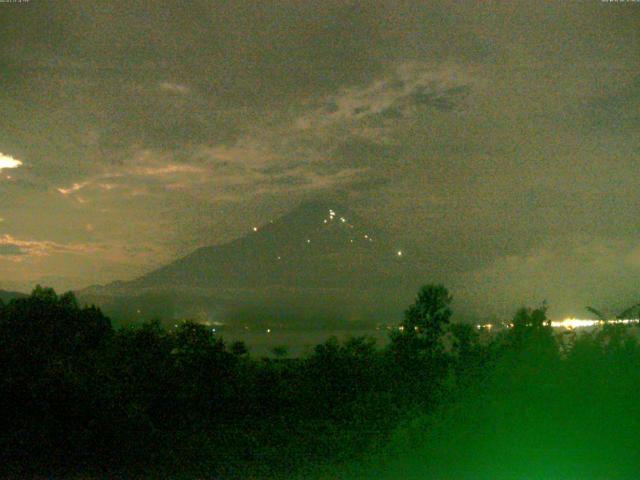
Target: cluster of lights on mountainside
{"points": [[332, 217]]}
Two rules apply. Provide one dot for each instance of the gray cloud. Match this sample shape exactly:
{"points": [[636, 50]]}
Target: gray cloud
{"points": [[10, 250], [616, 108]]}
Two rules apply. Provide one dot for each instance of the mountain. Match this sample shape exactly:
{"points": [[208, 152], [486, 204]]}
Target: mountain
{"points": [[6, 296], [320, 259]]}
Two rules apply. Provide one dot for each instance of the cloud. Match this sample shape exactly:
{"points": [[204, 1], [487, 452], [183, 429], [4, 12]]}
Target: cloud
{"points": [[176, 88], [73, 188], [39, 248], [616, 108], [167, 170], [401, 92], [10, 249], [569, 273], [7, 161], [146, 167]]}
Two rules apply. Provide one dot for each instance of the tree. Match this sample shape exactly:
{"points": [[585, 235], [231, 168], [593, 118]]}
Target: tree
{"points": [[532, 334], [239, 348], [280, 351], [631, 312], [424, 322], [535, 319], [44, 325]]}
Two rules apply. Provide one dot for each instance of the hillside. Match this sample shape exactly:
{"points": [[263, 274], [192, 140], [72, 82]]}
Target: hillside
{"points": [[318, 259]]}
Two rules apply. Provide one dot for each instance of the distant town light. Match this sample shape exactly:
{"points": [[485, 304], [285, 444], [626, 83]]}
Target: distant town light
{"points": [[571, 323], [255, 229], [399, 253]]}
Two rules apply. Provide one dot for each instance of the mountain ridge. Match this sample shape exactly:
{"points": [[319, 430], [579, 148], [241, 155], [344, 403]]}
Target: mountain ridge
{"points": [[8, 295], [319, 253]]}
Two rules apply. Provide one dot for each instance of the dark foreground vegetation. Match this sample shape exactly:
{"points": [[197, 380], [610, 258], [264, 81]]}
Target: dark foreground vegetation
{"points": [[79, 399]]}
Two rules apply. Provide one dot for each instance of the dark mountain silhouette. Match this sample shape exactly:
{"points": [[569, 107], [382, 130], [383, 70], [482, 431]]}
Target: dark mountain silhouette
{"points": [[6, 295], [318, 257]]}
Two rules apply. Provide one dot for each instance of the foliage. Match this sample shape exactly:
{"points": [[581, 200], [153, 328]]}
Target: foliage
{"points": [[421, 331], [77, 395]]}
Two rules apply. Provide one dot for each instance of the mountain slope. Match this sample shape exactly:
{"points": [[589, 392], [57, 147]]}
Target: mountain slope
{"points": [[6, 296], [319, 256], [314, 246]]}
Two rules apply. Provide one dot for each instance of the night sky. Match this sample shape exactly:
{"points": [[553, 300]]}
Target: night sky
{"points": [[498, 143]]}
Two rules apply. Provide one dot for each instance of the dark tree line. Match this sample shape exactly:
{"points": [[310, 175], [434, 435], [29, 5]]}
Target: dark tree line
{"points": [[80, 398]]}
